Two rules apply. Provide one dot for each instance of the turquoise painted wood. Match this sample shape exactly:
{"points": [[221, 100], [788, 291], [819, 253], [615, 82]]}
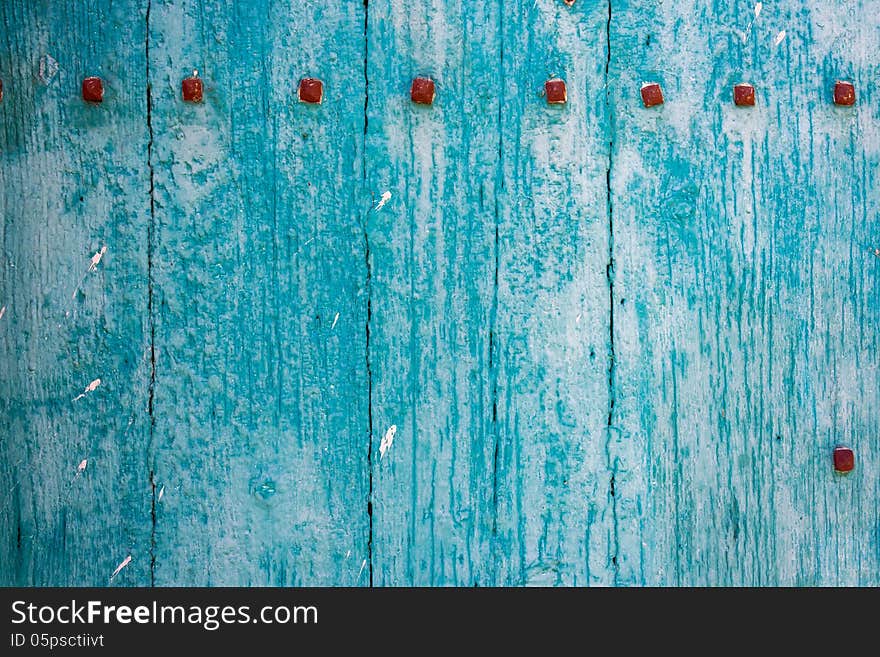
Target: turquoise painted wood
{"points": [[745, 294], [556, 510], [485, 342], [75, 494], [432, 258], [260, 396]]}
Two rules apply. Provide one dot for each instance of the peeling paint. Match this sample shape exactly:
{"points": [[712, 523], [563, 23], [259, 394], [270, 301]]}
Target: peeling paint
{"points": [[122, 565], [387, 440], [48, 69], [93, 263], [386, 196], [89, 388]]}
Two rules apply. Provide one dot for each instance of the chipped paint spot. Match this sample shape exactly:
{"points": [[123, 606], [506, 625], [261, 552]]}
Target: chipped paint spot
{"points": [[93, 264], [89, 388], [161, 493], [81, 467], [335, 319], [758, 7], [387, 440], [2, 312], [304, 244], [48, 68], [779, 38], [348, 554], [361, 571], [124, 563], [386, 196]]}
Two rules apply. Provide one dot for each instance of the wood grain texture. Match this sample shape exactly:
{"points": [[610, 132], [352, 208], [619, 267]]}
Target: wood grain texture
{"points": [[746, 287], [616, 345], [73, 180], [555, 515], [260, 396], [432, 281]]}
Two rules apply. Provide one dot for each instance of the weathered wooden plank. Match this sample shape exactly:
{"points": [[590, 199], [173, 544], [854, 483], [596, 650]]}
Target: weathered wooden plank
{"points": [[556, 513], [260, 403], [73, 182], [745, 315], [432, 280]]}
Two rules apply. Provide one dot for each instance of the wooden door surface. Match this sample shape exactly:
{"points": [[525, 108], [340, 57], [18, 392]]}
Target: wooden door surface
{"points": [[490, 340]]}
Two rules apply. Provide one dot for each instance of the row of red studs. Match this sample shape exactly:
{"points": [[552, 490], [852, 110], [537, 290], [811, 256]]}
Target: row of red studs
{"points": [[423, 91], [744, 94]]}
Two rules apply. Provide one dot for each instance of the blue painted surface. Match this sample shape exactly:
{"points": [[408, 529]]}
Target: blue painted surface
{"points": [[486, 342]]}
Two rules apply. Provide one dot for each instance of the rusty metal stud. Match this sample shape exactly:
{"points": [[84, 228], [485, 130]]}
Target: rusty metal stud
{"points": [[192, 88], [568, 2], [422, 91], [554, 89], [743, 94], [1, 90], [311, 90], [652, 94], [844, 93], [93, 89], [844, 459]]}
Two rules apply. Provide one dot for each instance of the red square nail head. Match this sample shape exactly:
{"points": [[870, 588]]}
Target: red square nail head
{"points": [[555, 91], [652, 94], [93, 90], [844, 459], [192, 88], [422, 91], [743, 95], [311, 90], [844, 93]]}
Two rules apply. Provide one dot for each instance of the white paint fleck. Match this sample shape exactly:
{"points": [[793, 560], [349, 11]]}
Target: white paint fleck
{"points": [[361, 571], [48, 68], [124, 563], [335, 319], [2, 312], [304, 244], [758, 7], [387, 440], [81, 467], [779, 38], [161, 493], [577, 320], [89, 388], [93, 264], [348, 554], [386, 196]]}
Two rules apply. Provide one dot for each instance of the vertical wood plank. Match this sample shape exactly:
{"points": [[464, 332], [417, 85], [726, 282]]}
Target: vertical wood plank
{"points": [[260, 399], [73, 182], [432, 277], [556, 510], [746, 323]]}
